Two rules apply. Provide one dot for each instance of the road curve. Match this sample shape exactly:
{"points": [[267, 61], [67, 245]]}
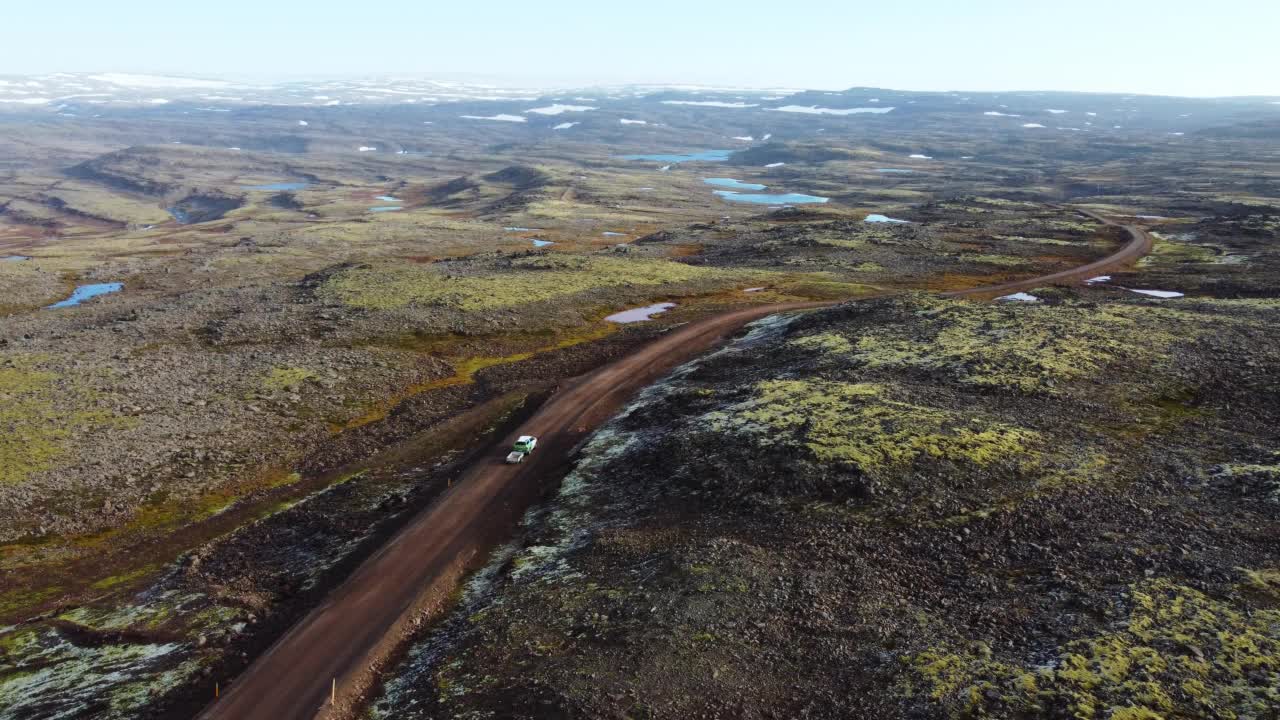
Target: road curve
{"points": [[339, 646]]}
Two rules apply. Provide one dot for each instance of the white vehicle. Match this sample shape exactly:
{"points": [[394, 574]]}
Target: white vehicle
{"points": [[524, 445]]}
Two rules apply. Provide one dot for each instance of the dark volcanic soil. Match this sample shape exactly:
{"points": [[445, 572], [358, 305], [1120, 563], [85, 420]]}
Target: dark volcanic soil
{"points": [[902, 509]]}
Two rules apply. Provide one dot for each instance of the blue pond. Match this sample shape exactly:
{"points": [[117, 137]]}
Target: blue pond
{"points": [[542, 243], [14, 258], [766, 199], [704, 156], [279, 186], [84, 292], [735, 184], [386, 208], [387, 198]]}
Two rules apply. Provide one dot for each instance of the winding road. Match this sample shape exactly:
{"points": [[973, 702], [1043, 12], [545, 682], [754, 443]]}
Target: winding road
{"points": [[325, 664]]}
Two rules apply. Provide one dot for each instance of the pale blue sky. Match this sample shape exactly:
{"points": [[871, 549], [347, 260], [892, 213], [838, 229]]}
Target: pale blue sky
{"points": [[1190, 47]]}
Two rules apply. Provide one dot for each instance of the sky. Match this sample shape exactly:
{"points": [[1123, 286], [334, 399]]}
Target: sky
{"points": [[1175, 47]]}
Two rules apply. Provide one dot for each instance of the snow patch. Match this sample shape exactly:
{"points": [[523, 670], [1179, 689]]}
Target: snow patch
{"points": [[1019, 297], [1032, 125], [559, 109], [565, 125], [625, 121], [1165, 294], [815, 110], [366, 148], [994, 113], [710, 103], [156, 81], [1057, 112], [777, 164], [744, 138], [499, 117]]}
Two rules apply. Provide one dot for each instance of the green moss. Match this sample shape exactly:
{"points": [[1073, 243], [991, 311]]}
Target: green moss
{"points": [[286, 378], [1166, 251], [860, 424], [1028, 347], [842, 243], [826, 290], [113, 581], [1038, 240], [40, 414], [1176, 653], [1001, 260], [527, 280], [826, 342]]}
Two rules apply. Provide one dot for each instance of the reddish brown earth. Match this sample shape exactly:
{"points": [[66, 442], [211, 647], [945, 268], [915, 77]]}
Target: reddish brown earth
{"points": [[340, 646]]}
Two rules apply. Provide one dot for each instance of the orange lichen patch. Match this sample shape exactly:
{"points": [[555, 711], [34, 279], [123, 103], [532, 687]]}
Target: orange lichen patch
{"points": [[685, 250], [465, 370], [1057, 259], [947, 282]]}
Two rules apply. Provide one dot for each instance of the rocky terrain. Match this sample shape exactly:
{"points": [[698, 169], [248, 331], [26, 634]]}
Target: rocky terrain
{"points": [[908, 507], [904, 506]]}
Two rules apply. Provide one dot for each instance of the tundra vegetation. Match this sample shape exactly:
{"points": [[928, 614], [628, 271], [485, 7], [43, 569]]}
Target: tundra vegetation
{"points": [[904, 506]]}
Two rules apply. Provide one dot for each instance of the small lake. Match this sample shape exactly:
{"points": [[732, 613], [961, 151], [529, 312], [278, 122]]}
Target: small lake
{"points": [[542, 243], [279, 186], [14, 258], [734, 184], [883, 219], [387, 198], [704, 156], [640, 314], [85, 292], [386, 208], [767, 199]]}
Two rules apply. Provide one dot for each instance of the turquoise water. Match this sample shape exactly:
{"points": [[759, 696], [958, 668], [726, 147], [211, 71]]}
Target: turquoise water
{"points": [[735, 184], [387, 198], [279, 186], [84, 292], [766, 199], [704, 156], [542, 243], [385, 208]]}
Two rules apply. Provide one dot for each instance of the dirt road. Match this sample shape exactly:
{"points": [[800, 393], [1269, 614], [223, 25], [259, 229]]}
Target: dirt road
{"points": [[339, 647]]}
